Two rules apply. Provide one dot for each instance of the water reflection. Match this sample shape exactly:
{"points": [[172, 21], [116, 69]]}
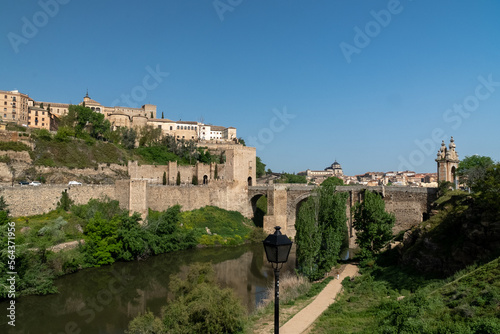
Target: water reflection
{"points": [[104, 300]]}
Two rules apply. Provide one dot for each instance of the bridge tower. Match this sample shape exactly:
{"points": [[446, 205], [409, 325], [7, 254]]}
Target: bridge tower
{"points": [[447, 163]]}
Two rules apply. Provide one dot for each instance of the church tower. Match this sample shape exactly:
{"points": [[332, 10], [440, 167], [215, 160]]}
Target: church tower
{"points": [[447, 163]]}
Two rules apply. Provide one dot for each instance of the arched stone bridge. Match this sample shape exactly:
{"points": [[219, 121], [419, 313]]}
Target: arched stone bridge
{"points": [[410, 205]]}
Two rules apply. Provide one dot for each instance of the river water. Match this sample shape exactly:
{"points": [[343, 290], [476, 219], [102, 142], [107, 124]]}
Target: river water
{"points": [[104, 300]]}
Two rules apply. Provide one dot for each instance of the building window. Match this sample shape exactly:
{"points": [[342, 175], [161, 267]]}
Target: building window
{"points": [[170, 127], [5, 103], [177, 127], [4, 109], [159, 126]]}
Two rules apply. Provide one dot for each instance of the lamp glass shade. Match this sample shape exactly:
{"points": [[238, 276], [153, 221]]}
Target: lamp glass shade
{"points": [[277, 247]]}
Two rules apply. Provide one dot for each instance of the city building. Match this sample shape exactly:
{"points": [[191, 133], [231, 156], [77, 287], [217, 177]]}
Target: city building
{"points": [[318, 176], [19, 108]]}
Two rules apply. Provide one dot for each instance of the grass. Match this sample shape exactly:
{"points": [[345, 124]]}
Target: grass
{"points": [[77, 154], [226, 227], [13, 146], [56, 231], [468, 302]]}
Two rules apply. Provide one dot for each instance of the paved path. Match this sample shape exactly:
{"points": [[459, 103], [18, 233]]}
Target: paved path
{"points": [[302, 320]]}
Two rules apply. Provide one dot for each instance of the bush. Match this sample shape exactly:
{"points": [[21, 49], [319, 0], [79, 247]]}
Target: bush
{"points": [[145, 323], [13, 146], [200, 306]]}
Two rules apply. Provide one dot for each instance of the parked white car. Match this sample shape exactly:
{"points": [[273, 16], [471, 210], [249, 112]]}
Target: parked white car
{"points": [[35, 183], [74, 183]]}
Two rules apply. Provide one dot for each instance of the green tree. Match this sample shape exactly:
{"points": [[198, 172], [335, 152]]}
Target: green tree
{"points": [[162, 116], [488, 191], [128, 138], [216, 172], [201, 306], [65, 202], [101, 245], [145, 323], [178, 181], [195, 180], [332, 181], [164, 181], [149, 136], [261, 167], [372, 223], [291, 178], [308, 239], [471, 170], [321, 232], [4, 212], [332, 222]]}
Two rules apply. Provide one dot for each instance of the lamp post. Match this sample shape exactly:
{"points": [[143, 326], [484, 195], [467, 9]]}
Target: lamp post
{"points": [[277, 247]]}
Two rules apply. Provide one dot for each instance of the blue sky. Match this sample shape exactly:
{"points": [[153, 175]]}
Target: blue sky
{"points": [[373, 84]]}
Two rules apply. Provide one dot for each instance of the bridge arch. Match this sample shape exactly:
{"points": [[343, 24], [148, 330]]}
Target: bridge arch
{"points": [[257, 212]]}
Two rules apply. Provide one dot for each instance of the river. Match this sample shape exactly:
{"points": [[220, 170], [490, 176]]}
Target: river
{"points": [[104, 300]]}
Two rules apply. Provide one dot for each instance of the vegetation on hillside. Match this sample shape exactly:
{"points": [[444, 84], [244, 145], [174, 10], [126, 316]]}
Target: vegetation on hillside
{"points": [[444, 279], [291, 178], [13, 146], [85, 139]]}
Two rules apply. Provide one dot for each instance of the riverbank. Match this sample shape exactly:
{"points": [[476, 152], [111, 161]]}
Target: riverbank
{"points": [[296, 317], [101, 233]]}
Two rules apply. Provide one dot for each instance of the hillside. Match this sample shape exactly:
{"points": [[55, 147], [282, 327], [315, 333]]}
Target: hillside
{"points": [[461, 232], [27, 155]]}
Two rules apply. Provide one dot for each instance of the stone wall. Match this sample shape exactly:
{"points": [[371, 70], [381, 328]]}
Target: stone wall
{"points": [[154, 173], [16, 136], [29, 200], [224, 194]]}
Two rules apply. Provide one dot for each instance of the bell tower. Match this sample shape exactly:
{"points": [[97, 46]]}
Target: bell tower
{"points": [[447, 163]]}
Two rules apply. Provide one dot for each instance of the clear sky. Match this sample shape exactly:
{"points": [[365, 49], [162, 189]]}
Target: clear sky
{"points": [[372, 84]]}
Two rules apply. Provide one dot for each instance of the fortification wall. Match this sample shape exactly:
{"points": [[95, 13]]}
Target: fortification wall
{"points": [[29, 200], [154, 173], [226, 195]]}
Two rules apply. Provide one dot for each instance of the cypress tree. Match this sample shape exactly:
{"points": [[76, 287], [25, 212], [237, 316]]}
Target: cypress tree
{"points": [[164, 178], [308, 239], [372, 223], [321, 232], [178, 181]]}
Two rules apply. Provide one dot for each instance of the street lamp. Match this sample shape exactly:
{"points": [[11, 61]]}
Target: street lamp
{"points": [[277, 247]]}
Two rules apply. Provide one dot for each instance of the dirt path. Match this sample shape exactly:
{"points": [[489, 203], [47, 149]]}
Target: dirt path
{"points": [[306, 317]]}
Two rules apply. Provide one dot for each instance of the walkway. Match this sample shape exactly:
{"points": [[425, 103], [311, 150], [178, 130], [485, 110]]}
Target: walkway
{"points": [[305, 318]]}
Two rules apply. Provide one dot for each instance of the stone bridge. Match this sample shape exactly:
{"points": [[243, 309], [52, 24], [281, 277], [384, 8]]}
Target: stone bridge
{"points": [[410, 205]]}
